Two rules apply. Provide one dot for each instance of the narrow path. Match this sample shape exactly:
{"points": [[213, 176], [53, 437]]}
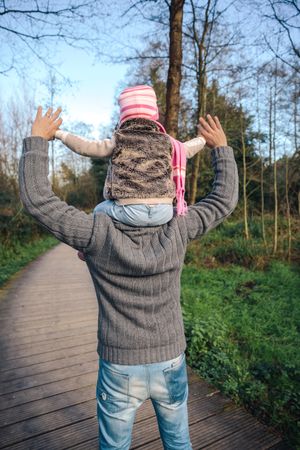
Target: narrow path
{"points": [[48, 370]]}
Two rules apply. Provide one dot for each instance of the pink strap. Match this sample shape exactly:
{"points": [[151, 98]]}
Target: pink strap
{"points": [[179, 168]]}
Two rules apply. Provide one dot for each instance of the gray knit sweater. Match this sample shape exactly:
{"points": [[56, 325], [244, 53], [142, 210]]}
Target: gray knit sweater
{"points": [[136, 271]]}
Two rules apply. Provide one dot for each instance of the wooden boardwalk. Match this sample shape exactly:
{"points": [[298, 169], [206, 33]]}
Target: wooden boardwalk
{"points": [[48, 369]]}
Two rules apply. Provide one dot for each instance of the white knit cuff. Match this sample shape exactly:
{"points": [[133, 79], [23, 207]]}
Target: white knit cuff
{"points": [[62, 135]]}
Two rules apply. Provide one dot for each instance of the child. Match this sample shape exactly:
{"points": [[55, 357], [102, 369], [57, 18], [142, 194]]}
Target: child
{"points": [[146, 164]]}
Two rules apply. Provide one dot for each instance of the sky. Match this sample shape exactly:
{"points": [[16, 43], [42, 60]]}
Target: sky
{"points": [[90, 98], [95, 85]]}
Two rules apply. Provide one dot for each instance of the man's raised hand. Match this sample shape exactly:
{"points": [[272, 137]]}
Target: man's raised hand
{"points": [[46, 125], [212, 131]]}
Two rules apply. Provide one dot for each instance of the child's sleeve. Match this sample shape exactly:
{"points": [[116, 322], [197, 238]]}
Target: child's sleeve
{"points": [[194, 146], [86, 147]]}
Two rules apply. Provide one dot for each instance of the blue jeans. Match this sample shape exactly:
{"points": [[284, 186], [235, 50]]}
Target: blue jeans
{"points": [[137, 215], [121, 390]]}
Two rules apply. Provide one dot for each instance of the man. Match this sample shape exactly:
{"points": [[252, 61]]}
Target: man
{"points": [[136, 274]]}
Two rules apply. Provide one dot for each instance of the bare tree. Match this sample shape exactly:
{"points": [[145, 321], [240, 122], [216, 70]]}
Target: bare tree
{"points": [[283, 18], [244, 150], [34, 28], [201, 44], [202, 36], [288, 209], [262, 165], [286, 13]]}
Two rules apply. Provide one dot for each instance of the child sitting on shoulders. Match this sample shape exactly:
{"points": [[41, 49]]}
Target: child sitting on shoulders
{"points": [[147, 166]]}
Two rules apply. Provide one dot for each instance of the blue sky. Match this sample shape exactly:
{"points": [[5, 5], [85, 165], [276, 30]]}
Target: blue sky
{"points": [[91, 97]]}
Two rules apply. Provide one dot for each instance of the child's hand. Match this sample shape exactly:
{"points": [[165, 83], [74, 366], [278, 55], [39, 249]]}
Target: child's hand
{"points": [[213, 132], [46, 126]]}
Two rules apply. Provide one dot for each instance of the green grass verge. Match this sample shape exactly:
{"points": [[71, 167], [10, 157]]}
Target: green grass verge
{"points": [[16, 256], [242, 329]]}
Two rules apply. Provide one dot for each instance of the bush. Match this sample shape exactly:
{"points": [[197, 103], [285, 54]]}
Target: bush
{"points": [[226, 245], [241, 252]]}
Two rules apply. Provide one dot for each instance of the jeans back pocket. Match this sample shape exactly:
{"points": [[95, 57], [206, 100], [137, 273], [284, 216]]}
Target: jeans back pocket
{"points": [[176, 379], [112, 389]]}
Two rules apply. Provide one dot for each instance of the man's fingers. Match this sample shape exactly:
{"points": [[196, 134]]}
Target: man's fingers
{"points": [[49, 112], [39, 113], [218, 123], [205, 125], [57, 123], [205, 134], [56, 113], [211, 122]]}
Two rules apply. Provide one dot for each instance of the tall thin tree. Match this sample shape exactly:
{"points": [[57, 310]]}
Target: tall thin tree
{"points": [[174, 72], [201, 56]]}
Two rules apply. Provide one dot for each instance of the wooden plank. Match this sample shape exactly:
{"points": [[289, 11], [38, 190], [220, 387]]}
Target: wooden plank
{"points": [[47, 390], [32, 324], [15, 386], [27, 430], [10, 344], [61, 438], [255, 436], [91, 444], [36, 369], [283, 445], [41, 314], [46, 301], [220, 426], [41, 331], [64, 343], [20, 348], [46, 405], [49, 356]]}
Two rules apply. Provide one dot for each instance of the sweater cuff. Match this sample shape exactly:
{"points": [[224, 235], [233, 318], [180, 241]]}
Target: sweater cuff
{"points": [[35, 143], [220, 152]]}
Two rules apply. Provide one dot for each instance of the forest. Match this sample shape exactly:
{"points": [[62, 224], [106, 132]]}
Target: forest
{"points": [[239, 61]]}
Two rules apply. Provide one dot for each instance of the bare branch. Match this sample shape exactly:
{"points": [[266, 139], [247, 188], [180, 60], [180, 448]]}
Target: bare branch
{"points": [[286, 26], [276, 54], [48, 12]]}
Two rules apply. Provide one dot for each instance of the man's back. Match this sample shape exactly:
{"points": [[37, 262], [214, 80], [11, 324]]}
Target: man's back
{"points": [[136, 271], [137, 280]]}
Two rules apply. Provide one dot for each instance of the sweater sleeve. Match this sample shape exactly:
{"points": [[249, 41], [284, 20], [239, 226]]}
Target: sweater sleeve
{"points": [[194, 146], [86, 147], [65, 222], [219, 204]]}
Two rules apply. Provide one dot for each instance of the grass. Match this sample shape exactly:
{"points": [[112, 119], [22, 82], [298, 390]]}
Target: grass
{"points": [[15, 256], [242, 321]]}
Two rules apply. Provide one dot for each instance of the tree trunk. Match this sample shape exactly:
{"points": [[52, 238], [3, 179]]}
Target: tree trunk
{"points": [[201, 90], [174, 72], [262, 193], [262, 199], [197, 158], [275, 239], [288, 213], [246, 229]]}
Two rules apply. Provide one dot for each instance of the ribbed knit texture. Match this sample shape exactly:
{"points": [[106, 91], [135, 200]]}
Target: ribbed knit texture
{"points": [[135, 271]]}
